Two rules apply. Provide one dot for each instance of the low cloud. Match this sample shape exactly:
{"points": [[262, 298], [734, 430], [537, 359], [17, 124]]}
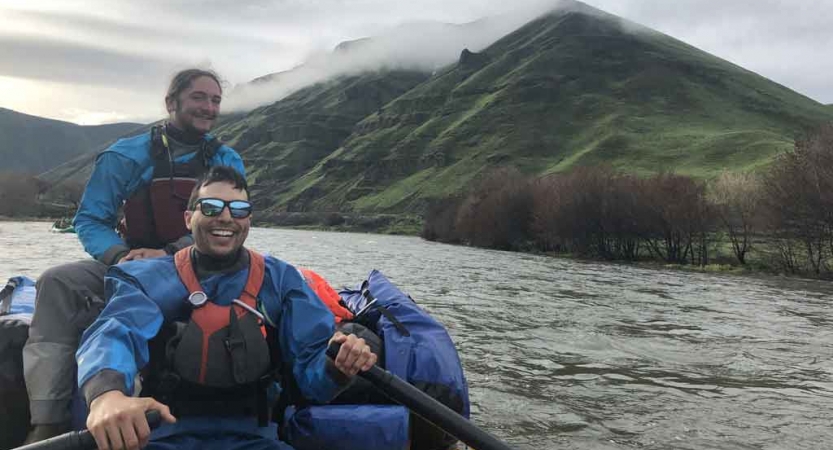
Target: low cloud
{"points": [[421, 46], [131, 49], [54, 60]]}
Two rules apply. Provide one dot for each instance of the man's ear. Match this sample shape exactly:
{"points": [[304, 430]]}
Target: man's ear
{"points": [[170, 104], [188, 214]]}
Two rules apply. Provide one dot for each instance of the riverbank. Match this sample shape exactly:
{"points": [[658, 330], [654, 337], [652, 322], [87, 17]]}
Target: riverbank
{"points": [[759, 259], [757, 265], [762, 258], [28, 219], [393, 224]]}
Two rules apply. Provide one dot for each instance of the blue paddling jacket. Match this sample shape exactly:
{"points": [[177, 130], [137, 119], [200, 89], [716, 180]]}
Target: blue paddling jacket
{"points": [[119, 172]]}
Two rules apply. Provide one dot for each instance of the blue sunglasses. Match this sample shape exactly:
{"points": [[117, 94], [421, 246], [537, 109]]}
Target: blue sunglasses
{"points": [[212, 207]]}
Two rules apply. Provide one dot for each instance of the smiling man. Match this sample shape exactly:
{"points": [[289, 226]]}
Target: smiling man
{"points": [[149, 178], [193, 321], [216, 233]]}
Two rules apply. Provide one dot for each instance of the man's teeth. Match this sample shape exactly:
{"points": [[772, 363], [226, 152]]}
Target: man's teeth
{"points": [[221, 233]]}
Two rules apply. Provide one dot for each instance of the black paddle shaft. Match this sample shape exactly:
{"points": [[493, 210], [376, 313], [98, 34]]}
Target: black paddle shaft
{"points": [[428, 408], [81, 440]]}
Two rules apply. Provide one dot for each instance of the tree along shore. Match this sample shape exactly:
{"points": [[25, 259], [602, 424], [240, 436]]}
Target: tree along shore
{"points": [[779, 220]]}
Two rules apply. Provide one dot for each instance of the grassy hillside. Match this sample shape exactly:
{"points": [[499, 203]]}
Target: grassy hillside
{"points": [[78, 169], [282, 142], [33, 144], [577, 87]]}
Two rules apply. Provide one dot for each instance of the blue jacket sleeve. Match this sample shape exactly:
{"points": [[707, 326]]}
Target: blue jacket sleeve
{"points": [[305, 327], [117, 342], [226, 156], [113, 179]]}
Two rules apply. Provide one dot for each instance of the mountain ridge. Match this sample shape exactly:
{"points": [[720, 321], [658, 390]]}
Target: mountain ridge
{"points": [[534, 99], [574, 87], [33, 144]]}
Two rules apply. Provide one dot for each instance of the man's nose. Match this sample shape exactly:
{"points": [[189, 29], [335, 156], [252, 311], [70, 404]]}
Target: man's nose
{"points": [[212, 106], [225, 213]]}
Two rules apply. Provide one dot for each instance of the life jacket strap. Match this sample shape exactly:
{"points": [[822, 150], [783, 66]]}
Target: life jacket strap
{"points": [[257, 271], [257, 268]]}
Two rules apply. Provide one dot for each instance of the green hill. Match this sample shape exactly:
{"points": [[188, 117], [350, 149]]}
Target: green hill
{"points": [[282, 142], [574, 87], [33, 144], [78, 169]]}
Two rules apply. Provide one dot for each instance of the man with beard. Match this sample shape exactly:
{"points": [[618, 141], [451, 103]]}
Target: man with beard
{"points": [[149, 177], [193, 321]]}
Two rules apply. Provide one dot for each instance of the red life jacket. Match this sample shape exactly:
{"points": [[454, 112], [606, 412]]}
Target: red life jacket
{"points": [[203, 350], [327, 294], [222, 346], [220, 361], [153, 216]]}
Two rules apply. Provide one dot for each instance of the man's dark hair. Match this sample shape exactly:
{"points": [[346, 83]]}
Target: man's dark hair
{"points": [[182, 81], [218, 174]]}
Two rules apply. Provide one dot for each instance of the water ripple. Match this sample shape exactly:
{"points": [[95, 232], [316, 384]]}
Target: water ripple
{"points": [[584, 355]]}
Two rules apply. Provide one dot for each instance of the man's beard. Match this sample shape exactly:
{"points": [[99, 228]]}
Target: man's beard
{"points": [[203, 241], [188, 126]]}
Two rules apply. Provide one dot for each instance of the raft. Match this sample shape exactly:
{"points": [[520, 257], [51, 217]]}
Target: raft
{"points": [[17, 303], [416, 348], [62, 226]]}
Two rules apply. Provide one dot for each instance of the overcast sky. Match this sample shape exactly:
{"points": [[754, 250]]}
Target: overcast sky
{"points": [[99, 61]]}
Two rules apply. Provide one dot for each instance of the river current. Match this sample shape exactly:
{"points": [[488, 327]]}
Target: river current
{"points": [[573, 355]]}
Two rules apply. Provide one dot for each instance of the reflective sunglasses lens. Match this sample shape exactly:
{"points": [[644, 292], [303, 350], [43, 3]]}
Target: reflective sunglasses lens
{"points": [[240, 209], [211, 207]]}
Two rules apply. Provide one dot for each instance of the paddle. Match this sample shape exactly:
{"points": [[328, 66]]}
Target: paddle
{"points": [[427, 407], [81, 440]]}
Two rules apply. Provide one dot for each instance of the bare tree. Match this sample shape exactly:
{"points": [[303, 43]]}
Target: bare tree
{"points": [[798, 194], [545, 214], [590, 211], [440, 220], [677, 218], [736, 198], [496, 214]]}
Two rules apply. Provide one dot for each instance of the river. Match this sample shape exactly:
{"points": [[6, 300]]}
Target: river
{"points": [[572, 355]]}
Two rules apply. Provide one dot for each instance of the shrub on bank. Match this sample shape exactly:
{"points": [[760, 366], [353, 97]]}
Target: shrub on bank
{"points": [[798, 198], [782, 218]]}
